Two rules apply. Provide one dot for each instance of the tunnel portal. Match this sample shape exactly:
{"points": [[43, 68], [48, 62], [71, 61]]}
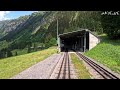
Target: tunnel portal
{"points": [[78, 41]]}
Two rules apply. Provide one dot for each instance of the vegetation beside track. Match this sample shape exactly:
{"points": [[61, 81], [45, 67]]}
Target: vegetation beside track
{"points": [[107, 52], [14, 65], [81, 70]]}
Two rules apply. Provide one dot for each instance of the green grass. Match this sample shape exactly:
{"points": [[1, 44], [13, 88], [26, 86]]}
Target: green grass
{"points": [[14, 65], [81, 70], [107, 52]]}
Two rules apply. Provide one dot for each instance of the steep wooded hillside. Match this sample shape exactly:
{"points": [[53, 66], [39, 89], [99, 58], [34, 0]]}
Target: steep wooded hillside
{"points": [[39, 29]]}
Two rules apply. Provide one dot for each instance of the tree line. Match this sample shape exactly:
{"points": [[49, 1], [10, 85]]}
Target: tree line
{"points": [[111, 24], [5, 53]]}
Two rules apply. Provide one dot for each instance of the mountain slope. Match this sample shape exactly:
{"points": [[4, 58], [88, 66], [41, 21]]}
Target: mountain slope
{"points": [[39, 29], [8, 26]]}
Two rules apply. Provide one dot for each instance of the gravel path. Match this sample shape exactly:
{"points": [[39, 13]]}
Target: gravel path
{"points": [[41, 70]]}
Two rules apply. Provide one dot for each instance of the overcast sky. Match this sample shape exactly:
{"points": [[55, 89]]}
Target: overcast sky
{"points": [[5, 15]]}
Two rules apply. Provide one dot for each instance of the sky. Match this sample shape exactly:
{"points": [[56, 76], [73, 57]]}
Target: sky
{"points": [[7, 15]]}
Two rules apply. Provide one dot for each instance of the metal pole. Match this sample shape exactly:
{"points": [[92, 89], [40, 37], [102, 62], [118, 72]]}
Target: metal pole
{"points": [[57, 31], [57, 37]]}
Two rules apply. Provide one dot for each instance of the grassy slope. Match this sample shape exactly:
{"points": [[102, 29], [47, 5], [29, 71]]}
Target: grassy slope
{"points": [[107, 52], [81, 71], [14, 65]]}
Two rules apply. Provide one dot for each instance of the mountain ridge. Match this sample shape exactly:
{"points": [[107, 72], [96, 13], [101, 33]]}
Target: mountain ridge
{"points": [[41, 28]]}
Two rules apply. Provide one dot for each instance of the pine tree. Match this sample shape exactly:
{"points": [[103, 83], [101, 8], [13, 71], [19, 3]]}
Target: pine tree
{"points": [[35, 47], [29, 49], [0, 54], [3, 53], [9, 53], [16, 53]]}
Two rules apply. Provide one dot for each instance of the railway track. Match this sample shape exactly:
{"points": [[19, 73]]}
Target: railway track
{"points": [[64, 72], [63, 69], [102, 71]]}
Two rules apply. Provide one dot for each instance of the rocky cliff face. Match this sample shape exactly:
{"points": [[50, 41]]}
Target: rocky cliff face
{"points": [[11, 25]]}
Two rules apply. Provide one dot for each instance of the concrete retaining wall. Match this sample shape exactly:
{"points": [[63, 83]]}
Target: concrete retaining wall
{"points": [[93, 41]]}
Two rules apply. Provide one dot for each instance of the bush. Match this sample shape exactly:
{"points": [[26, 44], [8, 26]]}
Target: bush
{"points": [[51, 42]]}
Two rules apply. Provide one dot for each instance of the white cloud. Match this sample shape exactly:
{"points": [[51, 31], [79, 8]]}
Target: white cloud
{"points": [[35, 11], [7, 11], [3, 15]]}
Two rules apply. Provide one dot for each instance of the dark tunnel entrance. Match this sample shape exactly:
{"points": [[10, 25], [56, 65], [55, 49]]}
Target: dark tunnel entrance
{"points": [[78, 41]]}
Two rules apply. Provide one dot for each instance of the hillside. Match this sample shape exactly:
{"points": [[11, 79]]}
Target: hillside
{"points": [[39, 29], [35, 36], [8, 26], [14, 65], [107, 52]]}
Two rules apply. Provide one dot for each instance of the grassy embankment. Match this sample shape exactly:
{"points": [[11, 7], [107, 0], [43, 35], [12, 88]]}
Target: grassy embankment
{"points": [[107, 52], [14, 65], [81, 70]]}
